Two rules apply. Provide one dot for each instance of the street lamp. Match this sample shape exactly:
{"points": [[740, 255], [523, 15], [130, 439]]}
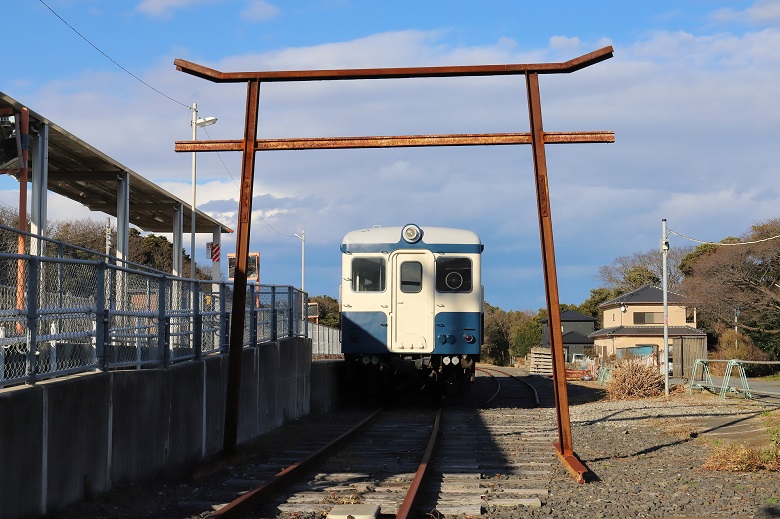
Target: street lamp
{"points": [[195, 123], [302, 237]]}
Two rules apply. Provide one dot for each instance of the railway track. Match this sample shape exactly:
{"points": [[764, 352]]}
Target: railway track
{"points": [[496, 454], [492, 451]]}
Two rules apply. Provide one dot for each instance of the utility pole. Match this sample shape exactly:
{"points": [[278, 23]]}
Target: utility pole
{"points": [[664, 251]]}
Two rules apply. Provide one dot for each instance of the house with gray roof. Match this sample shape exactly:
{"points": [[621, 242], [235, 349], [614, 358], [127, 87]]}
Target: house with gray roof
{"points": [[575, 328], [634, 326]]}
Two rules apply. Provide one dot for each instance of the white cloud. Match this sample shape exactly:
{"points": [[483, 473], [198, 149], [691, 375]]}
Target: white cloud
{"points": [[695, 120], [158, 8], [259, 10], [763, 12]]}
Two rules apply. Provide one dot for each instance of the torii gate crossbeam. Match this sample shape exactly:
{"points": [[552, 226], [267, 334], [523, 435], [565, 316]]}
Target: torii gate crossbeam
{"points": [[536, 137]]}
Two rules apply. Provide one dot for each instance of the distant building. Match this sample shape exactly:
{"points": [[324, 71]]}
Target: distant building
{"points": [[575, 328], [634, 326]]}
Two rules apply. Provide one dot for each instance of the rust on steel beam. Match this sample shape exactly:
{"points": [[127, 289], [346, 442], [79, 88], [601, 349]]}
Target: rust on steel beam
{"points": [[538, 138], [397, 141], [236, 345], [395, 73], [564, 446]]}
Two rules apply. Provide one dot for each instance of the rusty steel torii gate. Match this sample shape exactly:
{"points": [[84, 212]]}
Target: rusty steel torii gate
{"points": [[537, 137]]}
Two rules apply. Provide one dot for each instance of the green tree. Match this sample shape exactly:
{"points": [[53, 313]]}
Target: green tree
{"points": [[739, 276], [329, 312], [627, 273], [591, 305], [526, 334], [497, 336]]}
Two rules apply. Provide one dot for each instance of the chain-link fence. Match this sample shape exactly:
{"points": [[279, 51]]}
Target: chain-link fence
{"points": [[61, 314]]}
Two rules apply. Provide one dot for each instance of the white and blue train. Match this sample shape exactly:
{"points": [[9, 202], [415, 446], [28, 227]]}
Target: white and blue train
{"points": [[412, 305]]}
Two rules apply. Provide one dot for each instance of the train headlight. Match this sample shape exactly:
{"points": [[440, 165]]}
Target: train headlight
{"points": [[374, 360], [454, 280], [445, 361], [411, 233], [455, 361], [366, 360]]}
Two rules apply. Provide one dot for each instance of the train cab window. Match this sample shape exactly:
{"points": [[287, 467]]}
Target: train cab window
{"points": [[411, 277], [453, 274], [368, 274]]}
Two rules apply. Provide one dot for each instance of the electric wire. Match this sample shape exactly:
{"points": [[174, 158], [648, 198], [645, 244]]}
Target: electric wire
{"points": [[157, 91], [722, 244], [112, 60], [236, 184]]}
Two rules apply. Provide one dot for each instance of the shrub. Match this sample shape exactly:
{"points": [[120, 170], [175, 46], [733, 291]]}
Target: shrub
{"points": [[733, 345], [633, 378]]}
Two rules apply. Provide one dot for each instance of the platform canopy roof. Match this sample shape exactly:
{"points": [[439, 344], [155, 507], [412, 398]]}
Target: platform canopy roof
{"points": [[82, 173]]}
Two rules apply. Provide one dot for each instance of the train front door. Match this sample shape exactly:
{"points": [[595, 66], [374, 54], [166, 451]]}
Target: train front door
{"points": [[411, 317]]}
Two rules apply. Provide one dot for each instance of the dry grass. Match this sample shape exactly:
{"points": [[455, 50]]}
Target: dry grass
{"points": [[726, 457], [631, 378], [675, 427], [741, 458]]}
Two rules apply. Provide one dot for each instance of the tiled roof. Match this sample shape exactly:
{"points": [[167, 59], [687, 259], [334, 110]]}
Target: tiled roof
{"points": [[647, 294], [571, 337], [576, 338], [646, 331], [570, 316]]}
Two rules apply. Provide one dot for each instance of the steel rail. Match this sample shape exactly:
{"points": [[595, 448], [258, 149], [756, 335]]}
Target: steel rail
{"points": [[248, 502], [407, 506], [498, 384], [536, 393]]}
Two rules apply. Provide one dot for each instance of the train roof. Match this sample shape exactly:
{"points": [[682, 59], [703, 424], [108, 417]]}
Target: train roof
{"points": [[437, 239]]}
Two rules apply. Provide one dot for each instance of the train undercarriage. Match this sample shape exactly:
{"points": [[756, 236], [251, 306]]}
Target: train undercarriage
{"points": [[388, 375]]}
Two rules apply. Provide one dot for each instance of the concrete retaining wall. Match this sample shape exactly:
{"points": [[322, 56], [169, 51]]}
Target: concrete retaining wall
{"points": [[64, 440]]}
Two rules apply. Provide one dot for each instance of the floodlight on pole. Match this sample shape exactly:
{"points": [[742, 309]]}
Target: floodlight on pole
{"points": [[302, 237], [206, 121]]}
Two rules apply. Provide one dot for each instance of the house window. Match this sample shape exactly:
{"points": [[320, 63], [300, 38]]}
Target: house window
{"points": [[648, 318]]}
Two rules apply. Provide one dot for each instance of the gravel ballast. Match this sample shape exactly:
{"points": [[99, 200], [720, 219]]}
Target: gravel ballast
{"points": [[645, 459]]}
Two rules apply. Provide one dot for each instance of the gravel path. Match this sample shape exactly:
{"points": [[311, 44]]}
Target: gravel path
{"points": [[645, 458]]}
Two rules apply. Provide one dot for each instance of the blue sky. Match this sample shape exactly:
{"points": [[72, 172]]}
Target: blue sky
{"points": [[692, 94]]}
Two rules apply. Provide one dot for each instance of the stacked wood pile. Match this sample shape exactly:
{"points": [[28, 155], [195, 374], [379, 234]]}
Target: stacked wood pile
{"points": [[540, 362]]}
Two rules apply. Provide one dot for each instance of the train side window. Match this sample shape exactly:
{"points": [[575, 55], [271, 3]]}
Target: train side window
{"points": [[411, 277], [368, 274], [453, 274]]}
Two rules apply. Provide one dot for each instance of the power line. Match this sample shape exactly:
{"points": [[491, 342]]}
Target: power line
{"points": [[110, 58], [723, 244], [156, 90], [236, 183]]}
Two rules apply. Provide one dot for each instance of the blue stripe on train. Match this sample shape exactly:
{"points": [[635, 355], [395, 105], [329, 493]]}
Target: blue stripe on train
{"points": [[453, 326], [462, 248], [363, 332], [366, 332]]}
